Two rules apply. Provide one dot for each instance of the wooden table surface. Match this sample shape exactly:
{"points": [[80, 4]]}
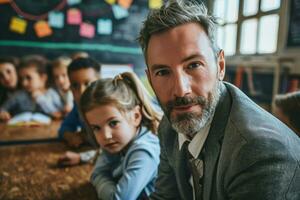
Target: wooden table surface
{"points": [[22, 133], [30, 171]]}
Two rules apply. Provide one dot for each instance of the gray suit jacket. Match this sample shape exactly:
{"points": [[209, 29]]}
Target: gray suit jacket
{"points": [[249, 154]]}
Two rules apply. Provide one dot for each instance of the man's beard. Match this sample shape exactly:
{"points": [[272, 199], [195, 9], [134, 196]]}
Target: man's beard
{"points": [[190, 123]]}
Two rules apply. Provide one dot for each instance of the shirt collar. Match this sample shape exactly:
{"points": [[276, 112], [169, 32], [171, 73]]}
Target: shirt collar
{"points": [[196, 144]]}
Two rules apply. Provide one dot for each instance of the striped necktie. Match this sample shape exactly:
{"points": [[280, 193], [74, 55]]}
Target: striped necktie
{"points": [[196, 167]]}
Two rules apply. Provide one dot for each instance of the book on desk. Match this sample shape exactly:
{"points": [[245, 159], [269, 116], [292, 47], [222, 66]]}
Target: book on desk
{"points": [[29, 119]]}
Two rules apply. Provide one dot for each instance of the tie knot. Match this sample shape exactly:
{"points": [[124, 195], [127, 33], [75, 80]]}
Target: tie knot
{"points": [[186, 151]]}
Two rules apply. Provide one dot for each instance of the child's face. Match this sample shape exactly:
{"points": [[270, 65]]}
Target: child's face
{"points": [[31, 80], [80, 80], [8, 75], [61, 78], [112, 129]]}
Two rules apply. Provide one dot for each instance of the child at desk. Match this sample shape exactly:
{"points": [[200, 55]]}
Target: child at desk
{"points": [[35, 96], [8, 78], [122, 120], [59, 75], [81, 72]]}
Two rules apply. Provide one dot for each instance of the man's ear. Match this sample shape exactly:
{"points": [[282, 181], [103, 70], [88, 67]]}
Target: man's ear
{"points": [[221, 65], [136, 116]]}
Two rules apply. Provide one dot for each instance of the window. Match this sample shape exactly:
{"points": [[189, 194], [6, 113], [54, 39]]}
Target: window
{"points": [[227, 13], [253, 23]]}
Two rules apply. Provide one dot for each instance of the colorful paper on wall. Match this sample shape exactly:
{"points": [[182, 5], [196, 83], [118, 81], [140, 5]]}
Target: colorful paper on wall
{"points": [[73, 2], [111, 2], [56, 19], [104, 26], [18, 25], [155, 4], [125, 3], [4, 1], [87, 30], [74, 16], [119, 12], [42, 29]]}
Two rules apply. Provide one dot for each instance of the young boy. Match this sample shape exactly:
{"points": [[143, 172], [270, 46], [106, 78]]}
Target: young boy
{"points": [[81, 72]]}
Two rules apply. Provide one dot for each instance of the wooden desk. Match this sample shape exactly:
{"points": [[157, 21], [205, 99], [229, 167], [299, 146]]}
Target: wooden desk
{"points": [[28, 133], [30, 172]]}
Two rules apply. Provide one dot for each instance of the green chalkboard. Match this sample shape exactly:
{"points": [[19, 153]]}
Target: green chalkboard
{"points": [[118, 47]]}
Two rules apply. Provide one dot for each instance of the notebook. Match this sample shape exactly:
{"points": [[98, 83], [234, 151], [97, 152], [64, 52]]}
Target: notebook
{"points": [[29, 118]]}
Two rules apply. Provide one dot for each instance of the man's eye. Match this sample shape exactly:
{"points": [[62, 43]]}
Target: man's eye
{"points": [[113, 123], [194, 65], [162, 72]]}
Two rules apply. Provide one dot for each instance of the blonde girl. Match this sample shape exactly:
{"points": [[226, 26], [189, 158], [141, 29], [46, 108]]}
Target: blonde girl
{"points": [[122, 120]]}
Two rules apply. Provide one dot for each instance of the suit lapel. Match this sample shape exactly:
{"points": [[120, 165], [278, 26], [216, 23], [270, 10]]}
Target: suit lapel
{"points": [[213, 142], [176, 158], [182, 174]]}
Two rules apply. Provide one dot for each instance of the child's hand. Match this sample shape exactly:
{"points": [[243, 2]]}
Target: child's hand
{"points": [[73, 139], [69, 159], [4, 116]]}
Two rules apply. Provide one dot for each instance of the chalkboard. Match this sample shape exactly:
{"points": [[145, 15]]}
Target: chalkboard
{"points": [[119, 47], [294, 24]]}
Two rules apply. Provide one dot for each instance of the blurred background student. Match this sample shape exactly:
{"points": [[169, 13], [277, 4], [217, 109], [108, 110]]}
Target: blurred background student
{"points": [[82, 72], [35, 96], [287, 109], [8, 77], [59, 75]]}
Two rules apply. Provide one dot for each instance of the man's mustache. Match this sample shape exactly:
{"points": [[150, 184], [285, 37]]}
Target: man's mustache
{"points": [[185, 101]]}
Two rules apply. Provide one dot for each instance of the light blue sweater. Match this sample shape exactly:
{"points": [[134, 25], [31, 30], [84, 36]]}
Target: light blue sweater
{"points": [[125, 177]]}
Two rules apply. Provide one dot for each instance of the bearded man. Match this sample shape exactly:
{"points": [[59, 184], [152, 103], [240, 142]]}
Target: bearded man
{"points": [[215, 142]]}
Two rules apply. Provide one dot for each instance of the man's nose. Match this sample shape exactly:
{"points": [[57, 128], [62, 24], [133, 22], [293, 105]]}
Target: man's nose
{"points": [[182, 85]]}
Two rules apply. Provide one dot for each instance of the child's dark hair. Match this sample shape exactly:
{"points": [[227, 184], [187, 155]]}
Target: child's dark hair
{"points": [[84, 63], [9, 59], [125, 92], [40, 63]]}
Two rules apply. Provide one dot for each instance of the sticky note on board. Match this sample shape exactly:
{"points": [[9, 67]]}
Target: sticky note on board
{"points": [[111, 2], [18, 25], [4, 1], [119, 12], [87, 30], [42, 29], [73, 2], [56, 19], [104, 26], [74, 16], [125, 3], [155, 4]]}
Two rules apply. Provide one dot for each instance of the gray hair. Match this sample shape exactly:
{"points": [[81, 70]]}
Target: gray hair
{"points": [[174, 13]]}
